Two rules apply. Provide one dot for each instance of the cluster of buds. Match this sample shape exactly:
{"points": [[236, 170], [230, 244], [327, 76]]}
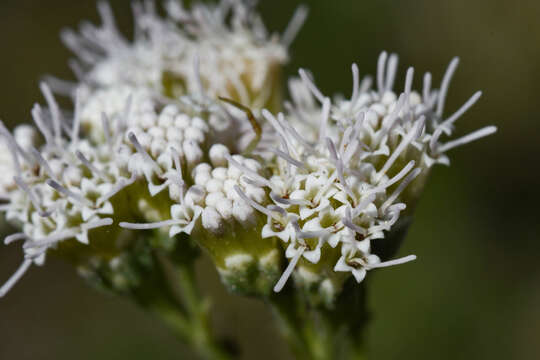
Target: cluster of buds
{"points": [[184, 131]]}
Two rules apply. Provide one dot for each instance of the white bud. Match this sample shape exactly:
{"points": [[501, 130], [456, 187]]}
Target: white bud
{"points": [[174, 134], [213, 198], [218, 155], [202, 168], [211, 219], [194, 134], [192, 152], [214, 185], [182, 121], [201, 178], [220, 173], [225, 208], [242, 211], [156, 132], [147, 120]]}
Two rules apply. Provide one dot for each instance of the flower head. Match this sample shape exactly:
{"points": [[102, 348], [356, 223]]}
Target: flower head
{"points": [[358, 165], [236, 56], [165, 137]]}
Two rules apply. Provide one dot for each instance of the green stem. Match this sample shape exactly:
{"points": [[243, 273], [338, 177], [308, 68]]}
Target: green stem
{"points": [[316, 332], [193, 331], [161, 279], [189, 317]]}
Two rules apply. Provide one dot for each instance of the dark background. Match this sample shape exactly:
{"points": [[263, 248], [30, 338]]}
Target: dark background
{"points": [[474, 292]]}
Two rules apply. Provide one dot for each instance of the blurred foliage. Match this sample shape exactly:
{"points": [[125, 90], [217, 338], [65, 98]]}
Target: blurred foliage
{"points": [[475, 289]]}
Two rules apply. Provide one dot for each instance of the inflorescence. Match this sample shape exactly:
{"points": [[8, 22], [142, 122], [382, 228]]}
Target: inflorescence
{"points": [[184, 130]]}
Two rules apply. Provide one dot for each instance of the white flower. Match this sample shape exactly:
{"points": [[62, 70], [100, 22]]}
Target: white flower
{"points": [[236, 56], [341, 169], [150, 146]]}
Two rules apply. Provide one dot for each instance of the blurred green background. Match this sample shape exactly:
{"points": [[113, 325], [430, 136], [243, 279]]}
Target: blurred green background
{"points": [[474, 292]]}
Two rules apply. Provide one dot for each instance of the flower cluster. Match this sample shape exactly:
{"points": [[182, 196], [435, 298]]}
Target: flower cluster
{"points": [[237, 57], [163, 138], [341, 180]]}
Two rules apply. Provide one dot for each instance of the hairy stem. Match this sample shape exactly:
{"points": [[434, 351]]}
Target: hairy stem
{"points": [[314, 331], [191, 322]]}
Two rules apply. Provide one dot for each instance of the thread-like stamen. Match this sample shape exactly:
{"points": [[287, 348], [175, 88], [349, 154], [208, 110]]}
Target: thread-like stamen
{"points": [[122, 183], [288, 271], [410, 137], [76, 117], [325, 115], [307, 234], [249, 172], [250, 181], [391, 70], [50, 239], [14, 147], [488, 130], [55, 110], [353, 145], [42, 162], [37, 116], [292, 131], [294, 26], [133, 139], [445, 84], [339, 167], [71, 40], [388, 125], [148, 226], [393, 180], [178, 165], [91, 166], [68, 193], [348, 222], [408, 83], [255, 204], [387, 224], [75, 67], [11, 147], [107, 16], [400, 261], [356, 84], [412, 175], [445, 126], [278, 199], [306, 78], [26, 189], [278, 209], [97, 224], [363, 204], [15, 237], [325, 188], [288, 158], [277, 124], [15, 277], [381, 62], [345, 139], [427, 87], [365, 84], [59, 86], [289, 146]]}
